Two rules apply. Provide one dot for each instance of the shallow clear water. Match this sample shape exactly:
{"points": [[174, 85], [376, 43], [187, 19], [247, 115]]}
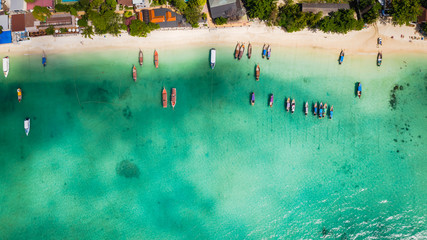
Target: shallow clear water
{"points": [[215, 167]]}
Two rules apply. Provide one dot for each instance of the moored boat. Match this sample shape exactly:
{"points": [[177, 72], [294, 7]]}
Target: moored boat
{"points": [[293, 106], [315, 109], [19, 94], [252, 98], [27, 126], [241, 51], [271, 100], [6, 66], [306, 108], [264, 50], [134, 73], [321, 110], [341, 57], [380, 41], [165, 98], [379, 58], [213, 57], [249, 51], [44, 60], [173, 97], [156, 59], [257, 72], [237, 50], [331, 111], [268, 52], [288, 104], [359, 90], [141, 57], [325, 109]]}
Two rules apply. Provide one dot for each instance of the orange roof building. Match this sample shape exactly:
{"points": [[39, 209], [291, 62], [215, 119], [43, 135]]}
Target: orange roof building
{"points": [[169, 17], [154, 18]]}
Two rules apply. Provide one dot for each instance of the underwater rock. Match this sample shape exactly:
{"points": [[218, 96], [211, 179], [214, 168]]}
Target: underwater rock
{"points": [[127, 169]]}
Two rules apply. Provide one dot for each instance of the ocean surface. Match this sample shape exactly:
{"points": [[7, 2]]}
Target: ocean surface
{"points": [[104, 160]]}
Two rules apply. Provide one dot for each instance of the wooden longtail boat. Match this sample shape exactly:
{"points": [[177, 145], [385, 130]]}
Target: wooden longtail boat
{"points": [[257, 72], [156, 59], [44, 60], [141, 57], [359, 90], [241, 51], [325, 109], [321, 110], [341, 57], [271, 100], [19, 94], [264, 51], [268, 52], [173, 97], [315, 109], [249, 51], [252, 98], [134, 73], [306, 108], [379, 58], [331, 112], [236, 52], [165, 98], [288, 104], [293, 106]]}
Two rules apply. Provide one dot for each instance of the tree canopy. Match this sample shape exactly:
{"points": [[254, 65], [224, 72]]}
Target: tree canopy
{"points": [[293, 19], [41, 13], [405, 11], [260, 9], [341, 21], [141, 29]]}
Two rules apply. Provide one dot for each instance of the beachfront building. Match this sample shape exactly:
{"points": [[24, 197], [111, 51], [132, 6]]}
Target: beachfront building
{"points": [[139, 4], [164, 17], [4, 22], [325, 8], [17, 6], [423, 17], [230, 9], [50, 4], [19, 32], [127, 3]]}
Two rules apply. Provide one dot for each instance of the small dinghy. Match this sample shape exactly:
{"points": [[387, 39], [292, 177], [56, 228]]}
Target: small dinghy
{"points": [[271, 100], [19, 94], [306, 108], [27, 126], [293, 106]]}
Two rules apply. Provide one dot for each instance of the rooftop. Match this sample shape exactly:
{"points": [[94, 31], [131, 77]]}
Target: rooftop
{"points": [[18, 22], [125, 2], [326, 8], [217, 3], [17, 5], [232, 9], [164, 17], [42, 3], [423, 16], [4, 22]]}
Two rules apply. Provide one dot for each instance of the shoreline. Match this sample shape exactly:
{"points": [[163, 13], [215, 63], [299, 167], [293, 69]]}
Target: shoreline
{"points": [[354, 42]]}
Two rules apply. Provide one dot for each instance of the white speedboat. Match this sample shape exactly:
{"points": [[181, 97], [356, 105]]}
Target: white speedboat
{"points": [[213, 58], [6, 66], [27, 126]]}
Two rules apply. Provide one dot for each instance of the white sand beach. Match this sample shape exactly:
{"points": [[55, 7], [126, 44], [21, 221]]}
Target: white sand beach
{"points": [[363, 42]]}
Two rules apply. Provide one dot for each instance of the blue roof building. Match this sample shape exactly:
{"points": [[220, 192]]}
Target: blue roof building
{"points": [[6, 37]]}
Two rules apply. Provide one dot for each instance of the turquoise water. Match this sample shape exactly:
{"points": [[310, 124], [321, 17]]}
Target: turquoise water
{"points": [[215, 167]]}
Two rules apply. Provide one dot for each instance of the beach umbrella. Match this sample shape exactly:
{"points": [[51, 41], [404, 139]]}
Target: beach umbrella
{"points": [[56, 31], [69, 30]]}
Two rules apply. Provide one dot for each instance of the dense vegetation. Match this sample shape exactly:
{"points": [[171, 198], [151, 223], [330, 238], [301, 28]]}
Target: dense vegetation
{"points": [[370, 10], [192, 10], [220, 21], [293, 19], [341, 21], [261, 9], [141, 29], [41, 13], [405, 11]]}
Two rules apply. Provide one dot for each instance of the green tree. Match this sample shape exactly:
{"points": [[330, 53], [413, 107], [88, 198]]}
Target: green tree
{"points": [[62, 7], [141, 29], [1, 29], [30, 1], [220, 21], [41, 13], [73, 11], [50, 30], [201, 2], [261, 9], [193, 13], [424, 28], [88, 32], [82, 22], [128, 14], [405, 11], [179, 4], [292, 18], [341, 21]]}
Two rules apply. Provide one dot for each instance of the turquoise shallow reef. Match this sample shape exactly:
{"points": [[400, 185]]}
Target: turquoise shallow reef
{"points": [[104, 160]]}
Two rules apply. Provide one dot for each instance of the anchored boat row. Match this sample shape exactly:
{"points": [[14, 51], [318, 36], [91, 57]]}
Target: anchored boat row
{"points": [[165, 98], [379, 58]]}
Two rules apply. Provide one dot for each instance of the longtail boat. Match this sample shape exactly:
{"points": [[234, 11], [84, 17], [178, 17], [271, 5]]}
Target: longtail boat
{"points": [[19, 94], [236, 52], [379, 58], [268, 52], [325, 109], [165, 98], [257, 72], [134, 73], [306, 108], [213, 58], [315, 109], [321, 110], [288, 104], [6, 66], [27, 126], [331, 112], [271, 100], [249, 51], [156, 59], [293, 106], [252, 98], [173, 97], [341, 57], [241, 51], [44, 60], [359, 90], [264, 51], [141, 57]]}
